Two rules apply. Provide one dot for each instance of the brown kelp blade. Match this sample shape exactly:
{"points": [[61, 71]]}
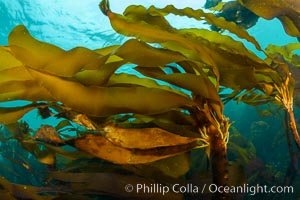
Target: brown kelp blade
{"points": [[287, 12], [18, 191], [143, 138], [100, 147], [111, 184]]}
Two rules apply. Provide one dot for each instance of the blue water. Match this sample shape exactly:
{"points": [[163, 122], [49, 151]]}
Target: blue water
{"points": [[72, 23]]}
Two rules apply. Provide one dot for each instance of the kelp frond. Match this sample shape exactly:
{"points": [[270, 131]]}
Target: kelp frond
{"points": [[104, 6]]}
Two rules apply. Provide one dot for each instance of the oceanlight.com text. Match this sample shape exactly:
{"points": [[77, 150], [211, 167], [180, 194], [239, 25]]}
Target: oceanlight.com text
{"points": [[211, 188]]}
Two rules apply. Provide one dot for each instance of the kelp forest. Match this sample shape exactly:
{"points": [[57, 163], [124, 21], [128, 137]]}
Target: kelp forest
{"points": [[158, 130]]}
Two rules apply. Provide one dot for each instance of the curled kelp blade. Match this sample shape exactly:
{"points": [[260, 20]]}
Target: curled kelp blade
{"points": [[228, 64], [143, 138], [50, 58], [100, 147], [104, 101], [111, 184], [208, 17], [30, 50], [158, 34]]}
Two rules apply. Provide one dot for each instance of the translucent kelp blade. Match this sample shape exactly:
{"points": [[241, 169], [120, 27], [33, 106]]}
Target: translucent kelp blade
{"points": [[104, 101], [232, 59], [148, 56], [198, 85], [143, 138], [129, 79], [208, 17], [111, 184], [7, 59], [223, 42], [100, 147], [106, 50], [287, 12], [161, 35], [287, 63], [286, 51], [100, 76], [74, 61], [194, 47], [50, 58], [31, 51], [23, 90]]}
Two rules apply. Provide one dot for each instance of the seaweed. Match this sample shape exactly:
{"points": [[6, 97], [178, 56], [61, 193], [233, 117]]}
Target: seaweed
{"points": [[150, 119]]}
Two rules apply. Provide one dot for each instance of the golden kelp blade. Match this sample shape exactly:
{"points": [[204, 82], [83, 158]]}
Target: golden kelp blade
{"points": [[75, 60], [104, 101], [100, 76], [31, 51], [143, 138], [100, 147], [130, 79], [23, 90], [154, 34], [198, 85], [7, 59], [227, 66], [208, 17], [148, 56], [18, 73], [50, 58], [286, 51]]}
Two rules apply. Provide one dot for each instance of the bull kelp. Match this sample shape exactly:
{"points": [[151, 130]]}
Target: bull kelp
{"points": [[156, 124]]}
